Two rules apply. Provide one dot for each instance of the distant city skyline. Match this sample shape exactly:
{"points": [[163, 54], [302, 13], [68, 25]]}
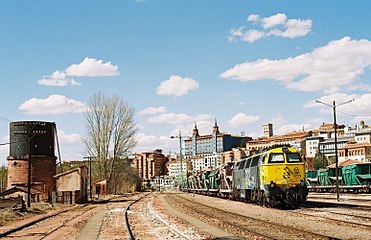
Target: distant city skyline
{"points": [[244, 63]]}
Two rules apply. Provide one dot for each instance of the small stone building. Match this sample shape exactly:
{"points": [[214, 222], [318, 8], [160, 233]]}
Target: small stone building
{"points": [[72, 186]]}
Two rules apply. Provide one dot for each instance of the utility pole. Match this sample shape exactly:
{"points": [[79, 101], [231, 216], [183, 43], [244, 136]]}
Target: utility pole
{"points": [[335, 142], [90, 182], [30, 136], [180, 177]]}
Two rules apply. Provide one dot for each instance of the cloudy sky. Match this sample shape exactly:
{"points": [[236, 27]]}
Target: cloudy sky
{"points": [[243, 63]]}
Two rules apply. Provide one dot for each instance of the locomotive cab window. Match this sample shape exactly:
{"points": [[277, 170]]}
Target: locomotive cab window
{"points": [[293, 157], [242, 165], [248, 161], [276, 158], [238, 164], [255, 161]]}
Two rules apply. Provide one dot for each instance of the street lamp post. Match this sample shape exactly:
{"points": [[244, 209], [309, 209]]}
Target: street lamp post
{"points": [[180, 177], [335, 141]]}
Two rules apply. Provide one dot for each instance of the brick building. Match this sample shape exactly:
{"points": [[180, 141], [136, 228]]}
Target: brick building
{"points": [[355, 151], [150, 164]]}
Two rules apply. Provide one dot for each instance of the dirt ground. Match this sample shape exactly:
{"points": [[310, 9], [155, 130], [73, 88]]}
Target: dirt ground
{"points": [[153, 217]]}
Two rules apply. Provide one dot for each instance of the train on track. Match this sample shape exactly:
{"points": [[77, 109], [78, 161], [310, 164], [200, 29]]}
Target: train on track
{"points": [[353, 178], [274, 177]]}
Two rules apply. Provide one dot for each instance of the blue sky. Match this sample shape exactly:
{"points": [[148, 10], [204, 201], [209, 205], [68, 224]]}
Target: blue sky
{"points": [[244, 63]]}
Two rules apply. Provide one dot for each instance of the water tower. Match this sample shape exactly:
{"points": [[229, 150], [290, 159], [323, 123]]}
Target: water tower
{"points": [[32, 140]]}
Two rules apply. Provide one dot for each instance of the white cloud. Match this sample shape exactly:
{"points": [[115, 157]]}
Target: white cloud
{"points": [[359, 109], [253, 18], [276, 25], [54, 104], [4, 152], [67, 139], [289, 128], [241, 119], [275, 20], [91, 67], [282, 126], [172, 118], [75, 83], [58, 79], [177, 86], [252, 36], [153, 110], [179, 118], [148, 143], [294, 28], [335, 66]]}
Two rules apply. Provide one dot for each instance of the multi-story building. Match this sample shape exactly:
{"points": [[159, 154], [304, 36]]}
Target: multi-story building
{"points": [[205, 162], [234, 155], [294, 139], [175, 169], [327, 147], [327, 130], [203, 152], [361, 128], [311, 146], [323, 143], [217, 142], [363, 137], [355, 151], [150, 164]]}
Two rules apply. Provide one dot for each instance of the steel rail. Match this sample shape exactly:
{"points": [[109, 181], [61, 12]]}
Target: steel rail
{"points": [[234, 216]]}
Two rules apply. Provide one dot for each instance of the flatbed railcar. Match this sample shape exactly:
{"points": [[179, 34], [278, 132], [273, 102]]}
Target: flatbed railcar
{"points": [[274, 177], [353, 178]]}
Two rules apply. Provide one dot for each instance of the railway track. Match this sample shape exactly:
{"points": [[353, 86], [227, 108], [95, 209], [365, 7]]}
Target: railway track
{"points": [[68, 222], [45, 227], [242, 225], [361, 198], [324, 214], [143, 221]]}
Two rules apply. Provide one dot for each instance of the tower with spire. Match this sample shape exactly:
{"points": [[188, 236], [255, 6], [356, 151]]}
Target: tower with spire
{"points": [[215, 136]]}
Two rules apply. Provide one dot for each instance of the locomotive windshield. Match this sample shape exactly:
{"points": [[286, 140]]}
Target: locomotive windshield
{"points": [[276, 158], [293, 157]]}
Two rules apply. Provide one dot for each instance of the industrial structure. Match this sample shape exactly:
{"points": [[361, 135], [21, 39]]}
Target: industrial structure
{"points": [[31, 161]]}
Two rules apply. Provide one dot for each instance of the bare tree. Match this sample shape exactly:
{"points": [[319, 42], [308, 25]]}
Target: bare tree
{"points": [[110, 133]]}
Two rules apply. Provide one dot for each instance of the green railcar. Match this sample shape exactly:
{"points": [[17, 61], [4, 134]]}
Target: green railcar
{"points": [[312, 177], [327, 177], [206, 179], [357, 174], [214, 179]]}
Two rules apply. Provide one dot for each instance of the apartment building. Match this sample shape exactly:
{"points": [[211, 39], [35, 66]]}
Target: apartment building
{"points": [[150, 164]]}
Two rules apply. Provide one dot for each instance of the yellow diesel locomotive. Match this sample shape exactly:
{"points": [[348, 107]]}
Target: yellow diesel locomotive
{"points": [[274, 177]]}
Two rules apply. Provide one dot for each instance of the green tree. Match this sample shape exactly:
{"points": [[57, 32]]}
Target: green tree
{"points": [[319, 161], [110, 135]]}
